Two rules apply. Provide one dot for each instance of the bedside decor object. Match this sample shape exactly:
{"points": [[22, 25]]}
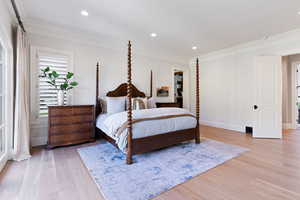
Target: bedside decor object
{"points": [[61, 87], [163, 91], [60, 97], [70, 125]]}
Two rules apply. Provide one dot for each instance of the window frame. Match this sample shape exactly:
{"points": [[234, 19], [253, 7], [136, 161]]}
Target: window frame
{"points": [[3, 95], [8, 91], [35, 118]]}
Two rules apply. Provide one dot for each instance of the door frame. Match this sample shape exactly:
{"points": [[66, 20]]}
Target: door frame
{"points": [[294, 110], [186, 86]]}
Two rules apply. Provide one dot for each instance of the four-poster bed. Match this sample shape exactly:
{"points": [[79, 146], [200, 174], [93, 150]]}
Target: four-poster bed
{"points": [[174, 125]]}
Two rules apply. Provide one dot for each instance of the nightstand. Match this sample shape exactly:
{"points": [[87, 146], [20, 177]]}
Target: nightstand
{"points": [[168, 104], [70, 125]]}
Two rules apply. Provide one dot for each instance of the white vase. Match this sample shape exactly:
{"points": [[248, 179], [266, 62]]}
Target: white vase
{"points": [[60, 97]]}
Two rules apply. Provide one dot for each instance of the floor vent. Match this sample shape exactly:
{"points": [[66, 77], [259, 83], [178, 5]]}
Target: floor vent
{"points": [[249, 129]]}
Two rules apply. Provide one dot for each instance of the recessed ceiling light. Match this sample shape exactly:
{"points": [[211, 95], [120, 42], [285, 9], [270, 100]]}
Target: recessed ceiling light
{"points": [[298, 12], [194, 48], [84, 13], [153, 34]]}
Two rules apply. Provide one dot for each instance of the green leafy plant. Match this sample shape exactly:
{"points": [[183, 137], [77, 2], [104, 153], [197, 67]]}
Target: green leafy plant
{"points": [[52, 77], [298, 105]]}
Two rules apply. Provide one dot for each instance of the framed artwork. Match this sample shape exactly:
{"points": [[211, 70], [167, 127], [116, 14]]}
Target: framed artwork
{"points": [[163, 91]]}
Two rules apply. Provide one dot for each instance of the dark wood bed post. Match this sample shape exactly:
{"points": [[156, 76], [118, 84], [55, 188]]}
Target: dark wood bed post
{"points": [[197, 134], [129, 112], [151, 83], [98, 109]]}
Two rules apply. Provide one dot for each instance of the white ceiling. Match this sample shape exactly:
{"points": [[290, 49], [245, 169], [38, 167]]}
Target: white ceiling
{"points": [[180, 24]]}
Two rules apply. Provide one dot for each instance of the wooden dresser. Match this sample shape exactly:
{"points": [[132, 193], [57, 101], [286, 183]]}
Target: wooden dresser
{"points": [[168, 104], [70, 125]]}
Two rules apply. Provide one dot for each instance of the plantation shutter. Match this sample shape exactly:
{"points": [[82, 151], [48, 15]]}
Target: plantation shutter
{"points": [[47, 93]]}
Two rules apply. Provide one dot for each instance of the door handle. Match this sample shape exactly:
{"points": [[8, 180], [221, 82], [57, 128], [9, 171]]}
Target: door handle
{"points": [[255, 107]]}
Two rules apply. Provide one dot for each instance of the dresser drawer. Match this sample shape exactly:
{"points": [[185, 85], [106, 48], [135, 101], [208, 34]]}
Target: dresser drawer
{"points": [[70, 110], [65, 120], [83, 110], [60, 111], [71, 139], [71, 128], [70, 125]]}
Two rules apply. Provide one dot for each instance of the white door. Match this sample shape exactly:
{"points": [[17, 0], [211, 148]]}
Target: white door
{"points": [[268, 97]]}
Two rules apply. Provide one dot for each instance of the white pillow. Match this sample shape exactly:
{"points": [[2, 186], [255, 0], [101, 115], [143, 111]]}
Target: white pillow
{"points": [[103, 105], [115, 104], [151, 103]]}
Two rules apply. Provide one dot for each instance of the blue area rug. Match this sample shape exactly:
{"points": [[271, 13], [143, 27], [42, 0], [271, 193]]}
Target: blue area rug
{"points": [[155, 172]]}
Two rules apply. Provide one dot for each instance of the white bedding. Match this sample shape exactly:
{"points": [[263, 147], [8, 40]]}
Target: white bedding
{"points": [[100, 123], [110, 123]]}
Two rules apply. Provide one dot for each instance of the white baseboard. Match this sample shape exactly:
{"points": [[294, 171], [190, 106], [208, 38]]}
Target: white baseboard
{"points": [[287, 126], [232, 127], [3, 162], [38, 141]]}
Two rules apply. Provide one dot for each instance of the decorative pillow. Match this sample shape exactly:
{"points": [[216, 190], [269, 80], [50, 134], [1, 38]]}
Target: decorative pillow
{"points": [[145, 100], [151, 103], [103, 105], [138, 104], [115, 104]]}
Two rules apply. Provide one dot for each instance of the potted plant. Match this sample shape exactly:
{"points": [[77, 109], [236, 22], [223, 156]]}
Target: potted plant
{"points": [[61, 88]]}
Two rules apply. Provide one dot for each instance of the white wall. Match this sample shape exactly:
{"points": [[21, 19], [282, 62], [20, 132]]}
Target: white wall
{"points": [[227, 80], [113, 71]]}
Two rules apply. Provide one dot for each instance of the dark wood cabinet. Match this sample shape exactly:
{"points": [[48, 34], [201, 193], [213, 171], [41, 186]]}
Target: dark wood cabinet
{"points": [[70, 125], [168, 104]]}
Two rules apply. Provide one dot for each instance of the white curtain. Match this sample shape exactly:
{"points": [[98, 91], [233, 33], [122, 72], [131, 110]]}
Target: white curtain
{"points": [[21, 115]]}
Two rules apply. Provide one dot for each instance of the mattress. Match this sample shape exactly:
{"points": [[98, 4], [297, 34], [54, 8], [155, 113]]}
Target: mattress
{"points": [[101, 125]]}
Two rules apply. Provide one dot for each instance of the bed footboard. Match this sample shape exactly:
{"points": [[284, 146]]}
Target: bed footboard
{"points": [[155, 142], [148, 144]]}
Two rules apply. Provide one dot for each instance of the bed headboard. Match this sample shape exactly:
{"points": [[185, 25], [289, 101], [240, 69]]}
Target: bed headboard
{"points": [[120, 91]]}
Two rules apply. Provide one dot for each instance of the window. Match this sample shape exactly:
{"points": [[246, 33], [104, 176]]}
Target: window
{"points": [[47, 93], [2, 102], [43, 94]]}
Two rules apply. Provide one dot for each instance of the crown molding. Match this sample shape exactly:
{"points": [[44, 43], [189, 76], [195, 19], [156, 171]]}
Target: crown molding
{"points": [[21, 8], [100, 40], [11, 12], [270, 41]]}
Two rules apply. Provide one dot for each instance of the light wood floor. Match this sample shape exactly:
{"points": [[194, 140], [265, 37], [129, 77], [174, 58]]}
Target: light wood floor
{"points": [[270, 170]]}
